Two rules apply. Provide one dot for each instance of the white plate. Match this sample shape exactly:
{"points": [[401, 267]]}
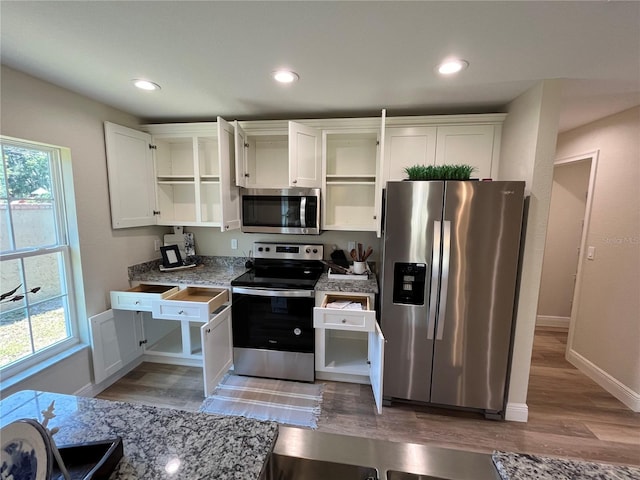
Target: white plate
{"points": [[26, 451]]}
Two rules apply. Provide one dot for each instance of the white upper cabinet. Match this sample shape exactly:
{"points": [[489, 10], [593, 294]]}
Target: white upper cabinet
{"points": [[474, 145], [131, 176], [189, 176], [273, 154], [405, 147], [305, 160], [440, 140], [351, 188]]}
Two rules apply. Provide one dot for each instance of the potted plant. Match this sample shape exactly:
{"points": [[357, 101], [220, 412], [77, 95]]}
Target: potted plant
{"points": [[439, 172]]}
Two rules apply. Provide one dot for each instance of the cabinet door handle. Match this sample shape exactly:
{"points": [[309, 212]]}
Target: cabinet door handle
{"points": [[181, 312], [294, 181], [344, 320], [137, 302]]}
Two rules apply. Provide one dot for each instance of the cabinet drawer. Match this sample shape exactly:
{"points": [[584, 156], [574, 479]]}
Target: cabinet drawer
{"points": [[191, 303], [140, 297], [330, 315]]}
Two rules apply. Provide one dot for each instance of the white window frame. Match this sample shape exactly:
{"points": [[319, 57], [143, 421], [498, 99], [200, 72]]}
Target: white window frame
{"points": [[62, 198]]}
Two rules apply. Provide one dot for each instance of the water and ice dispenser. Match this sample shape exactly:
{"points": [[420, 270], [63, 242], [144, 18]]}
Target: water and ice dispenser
{"points": [[409, 283]]}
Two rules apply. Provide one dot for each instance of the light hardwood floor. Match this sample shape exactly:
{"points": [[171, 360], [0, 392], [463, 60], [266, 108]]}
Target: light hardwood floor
{"points": [[569, 415]]}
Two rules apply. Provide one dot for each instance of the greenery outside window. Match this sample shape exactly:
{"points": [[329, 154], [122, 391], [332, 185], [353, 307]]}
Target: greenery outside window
{"points": [[37, 311]]}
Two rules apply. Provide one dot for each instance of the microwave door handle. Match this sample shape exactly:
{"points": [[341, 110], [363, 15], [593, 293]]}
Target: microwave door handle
{"points": [[303, 212]]}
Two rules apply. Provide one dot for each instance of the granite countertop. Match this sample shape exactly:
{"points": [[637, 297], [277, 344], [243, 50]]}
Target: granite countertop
{"points": [[520, 466], [219, 271], [204, 446], [213, 271]]}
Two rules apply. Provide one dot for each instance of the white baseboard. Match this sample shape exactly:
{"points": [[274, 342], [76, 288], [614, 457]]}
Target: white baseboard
{"points": [[551, 321], [623, 393], [516, 412]]}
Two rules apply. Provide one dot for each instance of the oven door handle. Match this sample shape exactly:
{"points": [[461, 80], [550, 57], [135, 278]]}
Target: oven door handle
{"points": [[269, 292]]}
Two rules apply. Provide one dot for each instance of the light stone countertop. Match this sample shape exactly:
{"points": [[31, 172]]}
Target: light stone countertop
{"points": [[521, 466], [204, 446], [219, 271]]}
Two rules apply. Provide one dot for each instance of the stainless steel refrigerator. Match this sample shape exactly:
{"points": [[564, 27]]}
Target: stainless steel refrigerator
{"points": [[449, 273]]}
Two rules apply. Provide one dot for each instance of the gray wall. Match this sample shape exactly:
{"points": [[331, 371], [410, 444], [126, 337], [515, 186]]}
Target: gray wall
{"points": [[604, 335], [38, 111]]}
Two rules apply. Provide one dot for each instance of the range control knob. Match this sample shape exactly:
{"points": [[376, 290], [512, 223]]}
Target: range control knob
{"points": [[308, 250], [260, 249], [315, 250], [266, 249], [297, 332]]}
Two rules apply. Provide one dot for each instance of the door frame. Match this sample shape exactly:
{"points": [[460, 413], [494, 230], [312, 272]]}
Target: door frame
{"points": [[593, 156]]}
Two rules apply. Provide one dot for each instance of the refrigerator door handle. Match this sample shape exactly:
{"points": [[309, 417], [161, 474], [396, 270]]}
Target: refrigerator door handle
{"points": [[444, 282], [435, 276]]}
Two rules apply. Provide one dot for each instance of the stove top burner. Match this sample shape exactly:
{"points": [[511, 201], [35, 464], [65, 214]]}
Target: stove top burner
{"points": [[284, 266]]}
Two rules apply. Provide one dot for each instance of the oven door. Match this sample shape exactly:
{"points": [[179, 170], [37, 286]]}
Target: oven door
{"points": [[273, 319], [273, 333]]}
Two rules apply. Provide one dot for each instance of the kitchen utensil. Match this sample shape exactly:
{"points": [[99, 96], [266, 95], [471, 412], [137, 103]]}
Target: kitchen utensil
{"points": [[360, 253], [367, 253], [353, 254], [336, 268]]}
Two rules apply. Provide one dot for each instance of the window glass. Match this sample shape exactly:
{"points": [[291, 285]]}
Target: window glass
{"points": [[35, 313]]}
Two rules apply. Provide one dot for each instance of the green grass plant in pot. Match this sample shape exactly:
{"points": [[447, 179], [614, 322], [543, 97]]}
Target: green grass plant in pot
{"points": [[439, 172]]}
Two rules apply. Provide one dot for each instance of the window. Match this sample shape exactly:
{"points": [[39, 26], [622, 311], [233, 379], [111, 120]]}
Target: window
{"points": [[37, 316]]}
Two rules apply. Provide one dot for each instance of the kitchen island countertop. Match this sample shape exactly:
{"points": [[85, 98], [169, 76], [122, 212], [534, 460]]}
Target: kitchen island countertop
{"points": [[156, 440]]}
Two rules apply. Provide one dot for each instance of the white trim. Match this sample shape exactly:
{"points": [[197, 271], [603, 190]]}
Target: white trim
{"points": [[616, 388], [593, 156], [552, 321], [516, 412]]}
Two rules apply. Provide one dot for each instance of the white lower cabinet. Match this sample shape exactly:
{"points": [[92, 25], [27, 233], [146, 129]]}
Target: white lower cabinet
{"points": [[167, 324], [349, 343], [115, 341]]}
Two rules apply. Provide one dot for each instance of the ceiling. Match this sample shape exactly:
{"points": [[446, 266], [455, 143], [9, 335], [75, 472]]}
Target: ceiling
{"points": [[353, 58]]}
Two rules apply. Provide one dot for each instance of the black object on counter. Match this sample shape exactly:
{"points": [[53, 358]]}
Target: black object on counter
{"points": [[91, 460], [339, 258]]}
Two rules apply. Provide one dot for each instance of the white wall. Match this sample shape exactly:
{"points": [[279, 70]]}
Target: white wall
{"points": [[38, 111], [604, 336], [564, 232], [528, 149]]}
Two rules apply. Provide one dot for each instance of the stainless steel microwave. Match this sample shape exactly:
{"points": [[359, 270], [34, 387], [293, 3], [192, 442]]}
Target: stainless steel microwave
{"points": [[281, 210]]}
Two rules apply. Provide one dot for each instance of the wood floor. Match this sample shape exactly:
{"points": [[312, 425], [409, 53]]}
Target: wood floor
{"points": [[569, 415]]}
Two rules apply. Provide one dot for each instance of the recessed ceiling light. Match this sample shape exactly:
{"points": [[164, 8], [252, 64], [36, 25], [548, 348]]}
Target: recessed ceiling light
{"points": [[449, 67], [285, 76], [145, 84]]}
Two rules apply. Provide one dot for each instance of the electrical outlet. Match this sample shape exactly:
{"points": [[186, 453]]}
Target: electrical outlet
{"points": [[156, 245], [351, 246], [234, 244]]}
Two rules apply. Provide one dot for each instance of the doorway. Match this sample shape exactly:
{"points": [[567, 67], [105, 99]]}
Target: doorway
{"points": [[564, 242]]}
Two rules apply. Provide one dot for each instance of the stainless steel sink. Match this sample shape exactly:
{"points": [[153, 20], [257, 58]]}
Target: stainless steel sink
{"points": [[309, 455], [395, 475], [283, 467]]}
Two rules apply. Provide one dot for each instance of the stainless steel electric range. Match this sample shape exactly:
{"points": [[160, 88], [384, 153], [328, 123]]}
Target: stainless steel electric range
{"points": [[272, 312]]}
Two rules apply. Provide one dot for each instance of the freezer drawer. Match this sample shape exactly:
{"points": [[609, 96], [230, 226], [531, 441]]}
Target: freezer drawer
{"points": [[191, 303], [344, 318], [140, 297]]}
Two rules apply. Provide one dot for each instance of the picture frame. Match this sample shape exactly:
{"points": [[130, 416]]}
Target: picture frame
{"points": [[171, 256]]}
